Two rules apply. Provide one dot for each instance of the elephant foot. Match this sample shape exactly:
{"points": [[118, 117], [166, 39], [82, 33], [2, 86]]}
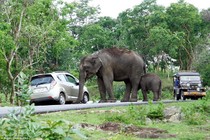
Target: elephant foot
{"points": [[156, 99], [103, 101], [124, 100], [111, 100], [133, 100]]}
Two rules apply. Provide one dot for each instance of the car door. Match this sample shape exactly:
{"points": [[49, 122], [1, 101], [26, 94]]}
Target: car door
{"points": [[74, 85], [64, 84]]}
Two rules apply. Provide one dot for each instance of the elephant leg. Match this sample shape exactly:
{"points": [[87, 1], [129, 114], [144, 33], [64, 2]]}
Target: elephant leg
{"points": [[144, 92], [155, 94], [126, 96], [159, 94], [109, 89], [102, 90], [134, 85]]}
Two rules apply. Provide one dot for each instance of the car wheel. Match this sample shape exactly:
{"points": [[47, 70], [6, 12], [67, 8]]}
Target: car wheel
{"points": [[31, 102], [85, 98], [61, 99]]}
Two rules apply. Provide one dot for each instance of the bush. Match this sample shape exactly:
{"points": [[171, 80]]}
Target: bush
{"points": [[20, 125], [155, 111], [137, 114], [23, 93], [197, 113], [134, 114]]}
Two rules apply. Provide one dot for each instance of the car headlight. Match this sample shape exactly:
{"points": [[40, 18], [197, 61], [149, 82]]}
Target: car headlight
{"points": [[199, 85], [198, 89]]}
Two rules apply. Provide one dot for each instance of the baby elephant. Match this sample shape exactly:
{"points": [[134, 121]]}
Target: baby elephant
{"points": [[150, 82]]}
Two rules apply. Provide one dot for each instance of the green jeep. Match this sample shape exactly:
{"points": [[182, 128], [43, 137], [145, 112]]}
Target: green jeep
{"points": [[188, 85]]}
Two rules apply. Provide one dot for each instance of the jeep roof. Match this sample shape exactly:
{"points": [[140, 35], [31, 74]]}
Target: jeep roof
{"points": [[186, 74]]}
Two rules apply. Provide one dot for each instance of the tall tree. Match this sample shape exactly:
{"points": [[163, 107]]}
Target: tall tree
{"points": [[185, 18], [12, 14], [135, 24], [98, 35], [35, 32]]}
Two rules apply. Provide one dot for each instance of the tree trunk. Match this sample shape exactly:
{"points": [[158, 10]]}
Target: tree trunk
{"points": [[12, 95]]}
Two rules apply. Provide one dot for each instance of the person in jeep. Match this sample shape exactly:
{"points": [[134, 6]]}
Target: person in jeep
{"points": [[188, 85]]}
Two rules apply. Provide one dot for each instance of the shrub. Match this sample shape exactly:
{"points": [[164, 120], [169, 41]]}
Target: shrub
{"points": [[197, 113], [137, 114], [20, 125], [155, 111], [134, 114], [23, 93]]}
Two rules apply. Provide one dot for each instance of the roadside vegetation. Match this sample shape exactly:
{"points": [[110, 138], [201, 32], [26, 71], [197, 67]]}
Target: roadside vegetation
{"points": [[132, 122]]}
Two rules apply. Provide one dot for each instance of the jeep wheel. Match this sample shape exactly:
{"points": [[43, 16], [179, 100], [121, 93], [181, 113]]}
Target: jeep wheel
{"points": [[61, 99], [178, 96], [182, 95]]}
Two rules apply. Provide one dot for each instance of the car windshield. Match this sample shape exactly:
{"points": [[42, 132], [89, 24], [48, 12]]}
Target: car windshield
{"points": [[42, 79], [190, 78]]}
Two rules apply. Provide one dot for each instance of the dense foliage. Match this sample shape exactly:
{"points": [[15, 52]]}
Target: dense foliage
{"points": [[47, 35]]}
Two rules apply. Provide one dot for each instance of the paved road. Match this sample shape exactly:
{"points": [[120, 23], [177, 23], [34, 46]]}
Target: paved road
{"points": [[54, 108]]}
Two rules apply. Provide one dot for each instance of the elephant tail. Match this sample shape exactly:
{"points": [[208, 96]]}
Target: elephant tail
{"points": [[144, 68], [160, 90]]}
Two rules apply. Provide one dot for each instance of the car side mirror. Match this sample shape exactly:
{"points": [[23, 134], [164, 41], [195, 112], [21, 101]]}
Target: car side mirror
{"points": [[77, 83]]}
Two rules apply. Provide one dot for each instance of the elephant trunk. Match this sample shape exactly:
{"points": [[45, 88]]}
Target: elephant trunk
{"points": [[82, 78]]}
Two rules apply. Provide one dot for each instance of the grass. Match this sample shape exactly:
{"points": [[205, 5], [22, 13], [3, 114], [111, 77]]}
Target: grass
{"points": [[182, 130]]}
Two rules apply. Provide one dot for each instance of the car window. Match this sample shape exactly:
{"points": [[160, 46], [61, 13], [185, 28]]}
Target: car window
{"points": [[62, 78], [41, 79], [71, 79]]}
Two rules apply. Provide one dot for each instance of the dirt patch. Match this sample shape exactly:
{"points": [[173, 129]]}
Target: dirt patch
{"points": [[100, 111], [148, 132], [114, 127], [140, 132]]}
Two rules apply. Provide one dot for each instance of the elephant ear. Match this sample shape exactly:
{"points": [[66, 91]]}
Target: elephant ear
{"points": [[93, 60], [96, 62]]}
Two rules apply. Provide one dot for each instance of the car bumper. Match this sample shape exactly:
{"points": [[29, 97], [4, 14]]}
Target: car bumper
{"points": [[45, 96], [194, 93], [42, 99]]}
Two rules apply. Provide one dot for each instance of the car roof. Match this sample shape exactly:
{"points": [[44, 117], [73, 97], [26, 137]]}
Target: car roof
{"points": [[52, 73], [186, 74]]}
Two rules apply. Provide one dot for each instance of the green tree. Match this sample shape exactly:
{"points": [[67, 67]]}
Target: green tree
{"points": [[12, 15], [185, 18], [201, 61], [34, 31], [98, 35], [135, 25]]}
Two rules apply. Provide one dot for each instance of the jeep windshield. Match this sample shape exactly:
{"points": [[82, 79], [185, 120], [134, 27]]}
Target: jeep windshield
{"points": [[190, 78]]}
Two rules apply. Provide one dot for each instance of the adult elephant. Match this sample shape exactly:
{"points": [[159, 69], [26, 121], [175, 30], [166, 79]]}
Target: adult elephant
{"points": [[112, 64], [151, 82]]}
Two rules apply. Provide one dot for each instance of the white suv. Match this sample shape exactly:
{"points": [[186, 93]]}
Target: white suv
{"points": [[56, 86]]}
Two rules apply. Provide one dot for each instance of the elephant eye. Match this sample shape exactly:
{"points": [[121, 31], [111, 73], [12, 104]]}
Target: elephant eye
{"points": [[86, 67]]}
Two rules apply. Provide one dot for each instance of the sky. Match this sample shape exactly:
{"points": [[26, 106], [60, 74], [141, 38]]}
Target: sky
{"points": [[112, 8]]}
